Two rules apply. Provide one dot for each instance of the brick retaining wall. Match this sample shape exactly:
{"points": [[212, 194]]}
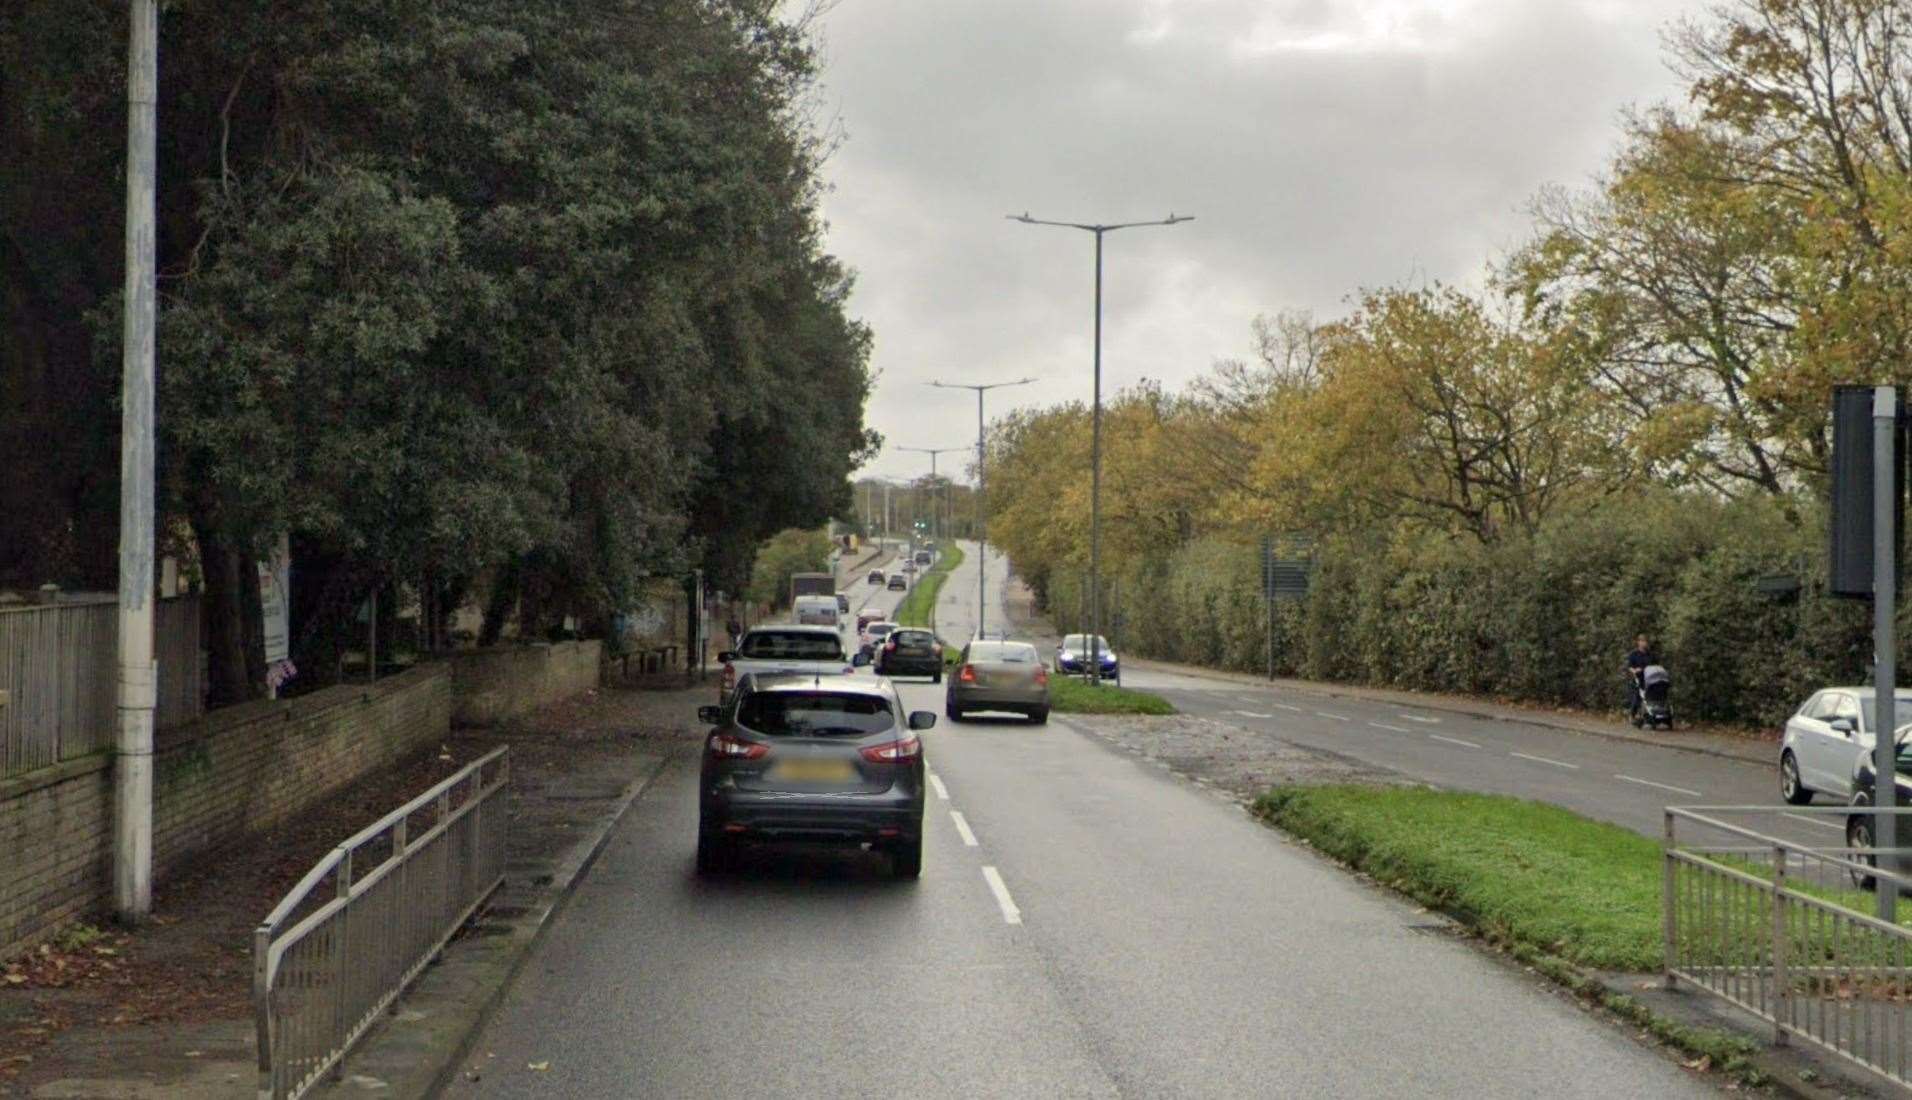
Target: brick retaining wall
{"points": [[232, 772], [491, 685]]}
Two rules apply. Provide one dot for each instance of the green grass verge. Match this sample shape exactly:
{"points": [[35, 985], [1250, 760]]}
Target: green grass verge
{"points": [[1068, 695], [918, 608], [1520, 872]]}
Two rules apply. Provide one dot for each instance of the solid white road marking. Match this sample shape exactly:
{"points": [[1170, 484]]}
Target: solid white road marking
{"points": [[1251, 714], [1336, 717], [1821, 822], [1454, 741], [1285, 706], [962, 826], [1418, 718], [936, 784], [1544, 760], [1010, 914], [1662, 786], [1385, 726]]}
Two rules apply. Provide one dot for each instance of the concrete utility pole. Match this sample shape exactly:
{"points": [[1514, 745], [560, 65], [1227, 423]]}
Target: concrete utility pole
{"points": [[138, 673], [982, 511], [1095, 432], [938, 526]]}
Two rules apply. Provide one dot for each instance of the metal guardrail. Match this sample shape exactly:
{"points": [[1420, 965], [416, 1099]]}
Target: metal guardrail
{"points": [[368, 918], [1778, 928]]}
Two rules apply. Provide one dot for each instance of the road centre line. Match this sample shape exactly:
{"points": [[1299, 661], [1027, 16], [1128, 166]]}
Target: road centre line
{"points": [[1336, 717], [1285, 706], [1545, 760], [1662, 786], [936, 784], [1010, 914], [1819, 821], [1251, 714], [1418, 718], [1454, 741], [1385, 726], [962, 826]]}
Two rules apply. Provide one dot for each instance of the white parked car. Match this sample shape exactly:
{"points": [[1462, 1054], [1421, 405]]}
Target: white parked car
{"points": [[1825, 738]]}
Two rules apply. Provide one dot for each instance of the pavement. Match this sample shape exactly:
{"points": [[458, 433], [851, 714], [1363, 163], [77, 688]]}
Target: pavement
{"points": [[1086, 925], [576, 767]]}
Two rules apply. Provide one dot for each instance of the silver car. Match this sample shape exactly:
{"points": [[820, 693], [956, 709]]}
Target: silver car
{"points": [[1826, 737], [1003, 676]]}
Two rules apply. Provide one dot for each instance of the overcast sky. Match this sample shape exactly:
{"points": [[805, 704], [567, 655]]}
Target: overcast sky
{"points": [[1323, 146]]}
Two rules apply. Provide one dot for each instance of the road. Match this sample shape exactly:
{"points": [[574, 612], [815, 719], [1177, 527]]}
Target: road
{"points": [[1085, 926]]}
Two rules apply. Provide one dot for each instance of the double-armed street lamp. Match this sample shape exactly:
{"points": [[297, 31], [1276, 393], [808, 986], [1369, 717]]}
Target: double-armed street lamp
{"points": [[1095, 431], [982, 511]]}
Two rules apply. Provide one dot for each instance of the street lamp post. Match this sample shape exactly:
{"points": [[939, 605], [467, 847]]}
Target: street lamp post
{"points": [[982, 512], [938, 524], [1095, 430]]}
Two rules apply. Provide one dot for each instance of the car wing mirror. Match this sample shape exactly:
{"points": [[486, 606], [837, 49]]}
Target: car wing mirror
{"points": [[860, 659], [710, 716], [1842, 725], [922, 719], [726, 657]]}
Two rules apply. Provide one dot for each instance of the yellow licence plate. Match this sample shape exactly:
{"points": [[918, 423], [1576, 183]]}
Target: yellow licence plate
{"points": [[814, 771]]}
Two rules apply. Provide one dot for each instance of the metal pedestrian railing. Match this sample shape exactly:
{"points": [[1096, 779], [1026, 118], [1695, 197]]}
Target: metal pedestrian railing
{"points": [[1783, 929], [364, 922]]}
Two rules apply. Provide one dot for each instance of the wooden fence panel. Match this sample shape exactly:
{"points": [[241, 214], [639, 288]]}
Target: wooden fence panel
{"points": [[59, 667]]}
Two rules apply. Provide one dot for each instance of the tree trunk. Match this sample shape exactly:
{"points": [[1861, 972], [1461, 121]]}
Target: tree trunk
{"points": [[235, 662], [501, 603]]}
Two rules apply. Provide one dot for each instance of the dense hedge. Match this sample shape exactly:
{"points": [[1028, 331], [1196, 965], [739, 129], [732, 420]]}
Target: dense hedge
{"points": [[1545, 618]]}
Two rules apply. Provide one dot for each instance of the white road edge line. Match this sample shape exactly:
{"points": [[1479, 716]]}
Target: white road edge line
{"points": [[1385, 726], [1336, 717], [1545, 760], [1010, 914], [936, 784], [1418, 718], [1821, 822], [1453, 741], [1251, 714], [962, 826], [1662, 786]]}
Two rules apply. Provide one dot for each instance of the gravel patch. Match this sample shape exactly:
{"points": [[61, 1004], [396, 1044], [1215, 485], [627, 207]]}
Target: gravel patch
{"points": [[1240, 764]]}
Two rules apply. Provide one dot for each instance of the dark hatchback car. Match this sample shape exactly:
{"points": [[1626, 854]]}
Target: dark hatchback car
{"points": [[909, 652], [819, 759], [899, 583], [1859, 823]]}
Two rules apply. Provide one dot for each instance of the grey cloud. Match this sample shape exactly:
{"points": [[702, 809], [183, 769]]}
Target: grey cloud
{"points": [[1312, 171]]}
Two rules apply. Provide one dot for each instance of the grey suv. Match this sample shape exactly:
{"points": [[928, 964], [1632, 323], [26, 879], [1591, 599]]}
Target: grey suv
{"points": [[834, 759]]}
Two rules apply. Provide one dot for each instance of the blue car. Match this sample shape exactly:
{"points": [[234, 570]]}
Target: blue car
{"points": [[1072, 659]]}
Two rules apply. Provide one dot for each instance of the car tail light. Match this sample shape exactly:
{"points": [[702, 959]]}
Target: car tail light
{"points": [[730, 677], [894, 752], [851, 669], [968, 674], [936, 649], [891, 644], [726, 747], [1042, 674]]}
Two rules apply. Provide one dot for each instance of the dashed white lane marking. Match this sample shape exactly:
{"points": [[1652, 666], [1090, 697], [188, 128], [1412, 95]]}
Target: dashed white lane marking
{"points": [[1286, 706], [1419, 718], [1662, 786], [962, 827], [1010, 914], [936, 784], [1819, 821], [1336, 717], [1454, 741], [1252, 714], [1545, 760], [1385, 726]]}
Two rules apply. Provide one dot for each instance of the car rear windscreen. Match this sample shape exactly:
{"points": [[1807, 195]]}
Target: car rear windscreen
{"points": [[1006, 652], [791, 645], [915, 638], [814, 714], [880, 629]]}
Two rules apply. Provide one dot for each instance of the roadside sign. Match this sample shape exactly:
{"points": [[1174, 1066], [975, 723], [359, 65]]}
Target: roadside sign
{"points": [[1283, 578]]}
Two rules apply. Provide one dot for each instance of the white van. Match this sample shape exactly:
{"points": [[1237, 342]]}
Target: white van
{"points": [[817, 611]]}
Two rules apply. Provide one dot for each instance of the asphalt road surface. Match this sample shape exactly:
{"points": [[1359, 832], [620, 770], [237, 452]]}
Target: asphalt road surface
{"points": [[1085, 926]]}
